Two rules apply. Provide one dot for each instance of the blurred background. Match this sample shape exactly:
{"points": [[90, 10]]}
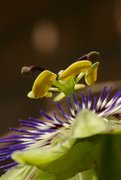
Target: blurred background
{"points": [[52, 34]]}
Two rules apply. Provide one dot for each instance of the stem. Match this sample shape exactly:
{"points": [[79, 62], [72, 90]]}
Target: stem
{"points": [[79, 77], [67, 87], [108, 161], [60, 86]]}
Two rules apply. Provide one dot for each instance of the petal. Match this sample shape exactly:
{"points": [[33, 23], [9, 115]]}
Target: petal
{"points": [[87, 124], [21, 172], [74, 69], [86, 175], [44, 154], [42, 84], [116, 129], [91, 75]]}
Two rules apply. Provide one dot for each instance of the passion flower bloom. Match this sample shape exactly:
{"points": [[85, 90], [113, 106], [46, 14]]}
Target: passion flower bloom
{"points": [[65, 82], [85, 141]]}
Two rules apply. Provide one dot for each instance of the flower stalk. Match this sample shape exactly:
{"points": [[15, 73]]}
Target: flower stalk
{"points": [[108, 160]]}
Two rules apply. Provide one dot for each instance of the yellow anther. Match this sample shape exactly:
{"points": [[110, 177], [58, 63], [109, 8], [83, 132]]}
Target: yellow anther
{"points": [[75, 69], [42, 84], [91, 75]]}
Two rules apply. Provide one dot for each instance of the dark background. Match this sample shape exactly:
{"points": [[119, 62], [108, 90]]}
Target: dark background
{"points": [[52, 34]]}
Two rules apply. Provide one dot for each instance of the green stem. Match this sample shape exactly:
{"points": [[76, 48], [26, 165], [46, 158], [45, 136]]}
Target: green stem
{"points": [[79, 77], [60, 86], [108, 161], [67, 87]]}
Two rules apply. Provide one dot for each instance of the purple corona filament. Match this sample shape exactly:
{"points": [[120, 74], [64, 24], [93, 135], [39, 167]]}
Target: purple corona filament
{"points": [[41, 132]]}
